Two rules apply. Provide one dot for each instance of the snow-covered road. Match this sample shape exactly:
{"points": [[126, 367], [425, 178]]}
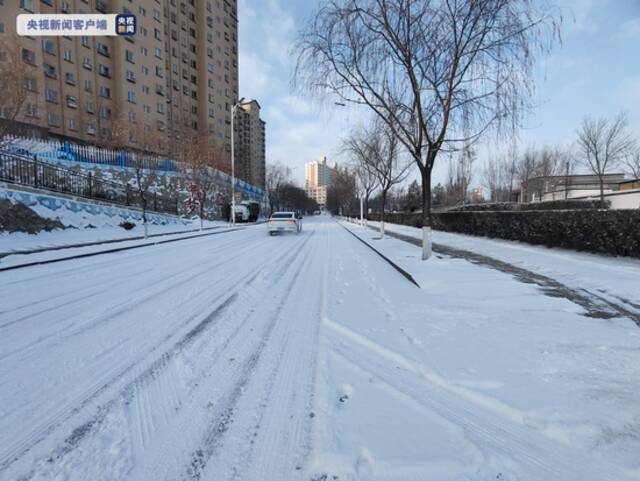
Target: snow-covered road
{"points": [[244, 356]]}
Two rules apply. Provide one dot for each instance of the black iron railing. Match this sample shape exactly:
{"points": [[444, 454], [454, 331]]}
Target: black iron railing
{"points": [[21, 170]]}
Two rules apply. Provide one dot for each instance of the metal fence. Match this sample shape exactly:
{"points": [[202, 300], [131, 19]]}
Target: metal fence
{"points": [[26, 171]]}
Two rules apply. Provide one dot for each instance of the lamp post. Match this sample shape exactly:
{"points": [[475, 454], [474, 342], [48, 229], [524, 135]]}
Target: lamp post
{"points": [[342, 104], [233, 162]]}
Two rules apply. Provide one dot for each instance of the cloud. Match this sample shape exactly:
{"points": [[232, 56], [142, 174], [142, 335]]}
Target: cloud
{"points": [[582, 15], [254, 75], [631, 29]]}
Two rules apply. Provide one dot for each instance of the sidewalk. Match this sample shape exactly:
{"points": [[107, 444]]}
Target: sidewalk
{"points": [[614, 279]]}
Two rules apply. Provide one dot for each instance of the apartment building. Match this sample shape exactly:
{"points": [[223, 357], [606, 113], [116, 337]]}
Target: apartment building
{"points": [[250, 143], [319, 175], [176, 78]]}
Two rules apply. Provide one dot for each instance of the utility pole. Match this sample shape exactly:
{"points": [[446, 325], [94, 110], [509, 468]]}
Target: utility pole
{"points": [[233, 162]]}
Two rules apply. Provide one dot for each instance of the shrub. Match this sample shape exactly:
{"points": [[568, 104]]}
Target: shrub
{"points": [[569, 204], [615, 232]]}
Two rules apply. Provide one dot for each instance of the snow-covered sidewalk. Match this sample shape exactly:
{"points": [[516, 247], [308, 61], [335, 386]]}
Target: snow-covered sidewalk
{"points": [[519, 385], [615, 278]]}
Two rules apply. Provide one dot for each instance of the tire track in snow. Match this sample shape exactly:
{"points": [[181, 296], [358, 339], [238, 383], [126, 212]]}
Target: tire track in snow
{"points": [[221, 422], [20, 447], [272, 438], [127, 393], [144, 295]]}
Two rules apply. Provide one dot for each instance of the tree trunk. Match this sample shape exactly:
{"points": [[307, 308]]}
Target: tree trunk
{"points": [[202, 201], [426, 214], [144, 220], [384, 201], [601, 179], [366, 208]]}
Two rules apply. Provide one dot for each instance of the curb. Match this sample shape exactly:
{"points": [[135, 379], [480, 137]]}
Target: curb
{"points": [[404, 273], [111, 251]]}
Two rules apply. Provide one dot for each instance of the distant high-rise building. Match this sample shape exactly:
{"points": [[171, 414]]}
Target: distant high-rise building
{"points": [[250, 144], [318, 177], [177, 77]]}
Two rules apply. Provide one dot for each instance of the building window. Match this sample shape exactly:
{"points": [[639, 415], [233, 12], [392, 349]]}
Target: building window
{"points": [[129, 56], [49, 46], [51, 95], [131, 97], [27, 5], [49, 70], [31, 84], [86, 63], [69, 78], [67, 55], [158, 71], [104, 71], [29, 56], [102, 49], [84, 40], [160, 108], [158, 52], [90, 107], [32, 110], [72, 102], [72, 124], [53, 119], [105, 92], [88, 86], [105, 112]]}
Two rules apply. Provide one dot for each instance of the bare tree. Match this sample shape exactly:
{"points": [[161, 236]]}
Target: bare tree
{"points": [[277, 175], [357, 145], [13, 82], [603, 143], [633, 162], [440, 72], [388, 165], [202, 155], [141, 139], [341, 194], [526, 169], [143, 182], [492, 176]]}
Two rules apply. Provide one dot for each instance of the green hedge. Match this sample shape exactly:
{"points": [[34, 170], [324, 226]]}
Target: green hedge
{"points": [[569, 204], [614, 232]]}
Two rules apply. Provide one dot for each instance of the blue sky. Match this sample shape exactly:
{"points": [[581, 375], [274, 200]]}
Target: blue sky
{"points": [[595, 71]]}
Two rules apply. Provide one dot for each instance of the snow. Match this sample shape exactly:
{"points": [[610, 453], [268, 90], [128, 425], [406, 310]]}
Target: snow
{"points": [[244, 356], [86, 226], [612, 277]]}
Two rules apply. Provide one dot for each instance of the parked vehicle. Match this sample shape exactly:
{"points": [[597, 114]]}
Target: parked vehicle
{"points": [[284, 222], [254, 210], [242, 213]]}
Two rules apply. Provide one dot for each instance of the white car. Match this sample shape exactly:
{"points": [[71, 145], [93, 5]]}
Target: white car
{"points": [[284, 222]]}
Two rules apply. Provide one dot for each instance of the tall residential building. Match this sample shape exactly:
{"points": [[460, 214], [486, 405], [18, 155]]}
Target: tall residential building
{"points": [[176, 78], [318, 177], [250, 143]]}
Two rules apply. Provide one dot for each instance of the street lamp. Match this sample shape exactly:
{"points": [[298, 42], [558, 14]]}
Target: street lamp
{"points": [[233, 162], [341, 104]]}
